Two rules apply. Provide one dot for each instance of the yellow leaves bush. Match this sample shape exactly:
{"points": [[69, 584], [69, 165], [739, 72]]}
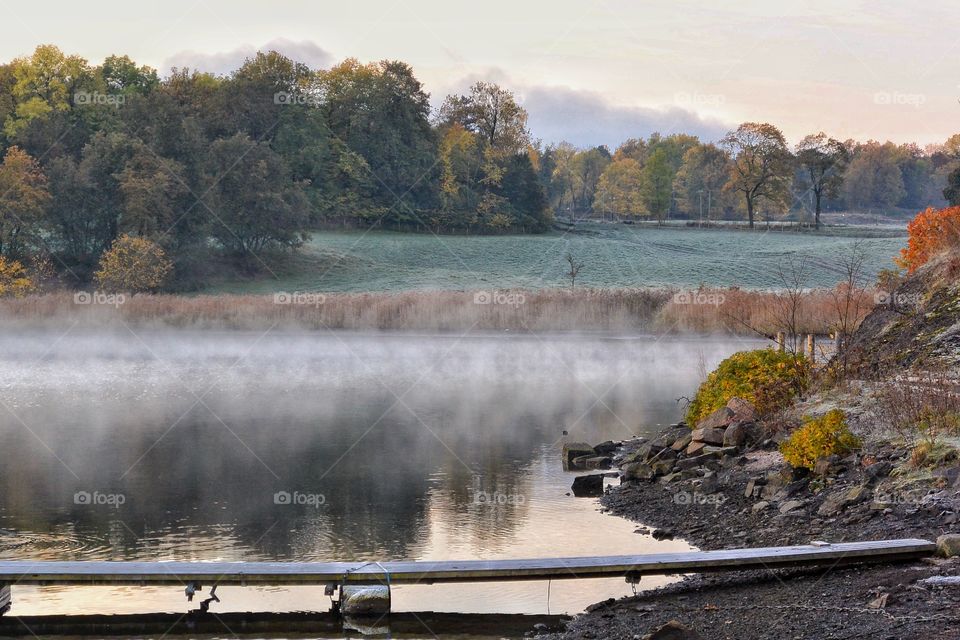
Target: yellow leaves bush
{"points": [[818, 438], [133, 264], [769, 379], [14, 279]]}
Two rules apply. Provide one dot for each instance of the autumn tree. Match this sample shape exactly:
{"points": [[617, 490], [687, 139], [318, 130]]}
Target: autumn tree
{"points": [[823, 160], [15, 280], [23, 199], [493, 113], [873, 178], [658, 184], [620, 189], [134, 265], [930, 233], [761, 165], [45, 82], [701, 178]]}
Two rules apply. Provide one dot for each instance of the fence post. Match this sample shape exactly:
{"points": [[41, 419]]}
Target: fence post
{"points": [[781, 340], [811, 348]]}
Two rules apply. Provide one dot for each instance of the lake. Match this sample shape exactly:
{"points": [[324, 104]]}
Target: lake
{"points": [[182, 445]]}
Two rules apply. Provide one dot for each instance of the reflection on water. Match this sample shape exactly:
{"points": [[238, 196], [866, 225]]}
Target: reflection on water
{"points": [[278, 446]]}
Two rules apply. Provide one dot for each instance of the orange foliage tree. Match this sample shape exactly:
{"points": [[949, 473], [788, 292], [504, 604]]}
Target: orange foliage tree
{"points": [[930, 233]]}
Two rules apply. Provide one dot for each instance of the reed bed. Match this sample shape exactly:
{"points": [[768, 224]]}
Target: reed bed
{"points": [[730, 311]]}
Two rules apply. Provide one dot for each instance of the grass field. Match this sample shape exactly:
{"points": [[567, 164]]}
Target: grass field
{"points": [[613, 256]]}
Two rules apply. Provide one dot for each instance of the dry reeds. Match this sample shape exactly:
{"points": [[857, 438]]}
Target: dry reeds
{"points": [[581, 309]]}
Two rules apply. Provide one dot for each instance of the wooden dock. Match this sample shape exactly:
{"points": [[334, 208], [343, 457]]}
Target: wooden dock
{"points": [[340, 574]]}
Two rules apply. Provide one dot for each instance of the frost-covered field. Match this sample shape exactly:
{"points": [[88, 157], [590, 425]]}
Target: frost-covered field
{"points": [[613, 256]]}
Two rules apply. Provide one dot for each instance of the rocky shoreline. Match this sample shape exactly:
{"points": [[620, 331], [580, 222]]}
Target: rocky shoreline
{"points": [[725, 484]]}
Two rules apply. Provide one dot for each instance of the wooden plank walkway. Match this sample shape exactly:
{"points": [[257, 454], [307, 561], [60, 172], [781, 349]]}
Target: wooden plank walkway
{"points": [[427, 572]]}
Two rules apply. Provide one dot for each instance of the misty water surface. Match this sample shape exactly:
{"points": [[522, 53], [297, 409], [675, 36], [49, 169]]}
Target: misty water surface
{"points": [[193, 445]]}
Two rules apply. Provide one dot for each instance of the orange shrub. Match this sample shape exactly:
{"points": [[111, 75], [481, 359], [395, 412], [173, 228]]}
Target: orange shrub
{"points": [[930, 233]]}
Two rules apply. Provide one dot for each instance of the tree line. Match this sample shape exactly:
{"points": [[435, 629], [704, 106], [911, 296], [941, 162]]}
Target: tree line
{"points": [[750, 173], [243, 164], [194, 166]]}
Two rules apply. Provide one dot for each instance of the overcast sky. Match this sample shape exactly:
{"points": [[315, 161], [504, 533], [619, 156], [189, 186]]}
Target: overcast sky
{"points": [[588, 71]]}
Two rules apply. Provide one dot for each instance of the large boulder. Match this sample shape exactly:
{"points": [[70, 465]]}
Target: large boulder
{"points": [[592, 462], [573, 450], [837, 502], [743, 410], [638, 471], [735, 435], [719, 419], [607, 448], [588, 486], [710, 436], [948, 545]]}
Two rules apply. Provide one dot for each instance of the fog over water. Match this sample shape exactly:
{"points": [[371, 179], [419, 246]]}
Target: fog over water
{"points": [[182, 445]]}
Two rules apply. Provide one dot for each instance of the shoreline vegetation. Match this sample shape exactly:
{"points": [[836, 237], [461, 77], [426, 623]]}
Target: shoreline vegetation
{"points": [[655, 310]]}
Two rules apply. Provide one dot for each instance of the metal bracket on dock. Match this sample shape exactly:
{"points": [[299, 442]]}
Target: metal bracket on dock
{"points": [[191, 590]]}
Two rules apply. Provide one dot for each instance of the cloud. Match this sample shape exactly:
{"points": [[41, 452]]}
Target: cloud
{"points": [[225, 62], [585, 118]]}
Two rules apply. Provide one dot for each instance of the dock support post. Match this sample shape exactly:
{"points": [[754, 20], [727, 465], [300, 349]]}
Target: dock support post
{"points": [[6, 601], [364, 599], [811, 348], [781, 340]]}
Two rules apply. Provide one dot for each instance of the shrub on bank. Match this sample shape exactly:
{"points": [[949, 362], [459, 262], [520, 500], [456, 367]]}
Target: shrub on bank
{"points": [[932, 232], [767, 378], [818, 438]]}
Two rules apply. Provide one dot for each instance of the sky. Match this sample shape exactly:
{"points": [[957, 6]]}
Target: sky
{"points": [[588, 71]]}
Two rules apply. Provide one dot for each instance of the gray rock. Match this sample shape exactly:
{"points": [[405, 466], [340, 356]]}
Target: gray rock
{"points": [[673, 630], [573, 450], [719, 419], [638, 471], [792, 505], [710, 436], [735, 435], [763, 505], [682, 443], [743, 410], [877, 471], [948, 545], [588, 486], [606, 448], [695, 448]]}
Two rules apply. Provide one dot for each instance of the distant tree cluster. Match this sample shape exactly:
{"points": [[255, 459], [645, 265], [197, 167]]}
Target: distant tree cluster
{"points": [[199, 165], [751, 172]]}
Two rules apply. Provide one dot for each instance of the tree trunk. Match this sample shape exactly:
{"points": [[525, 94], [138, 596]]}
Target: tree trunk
{"points": [[750, 211], [816, 219]]}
